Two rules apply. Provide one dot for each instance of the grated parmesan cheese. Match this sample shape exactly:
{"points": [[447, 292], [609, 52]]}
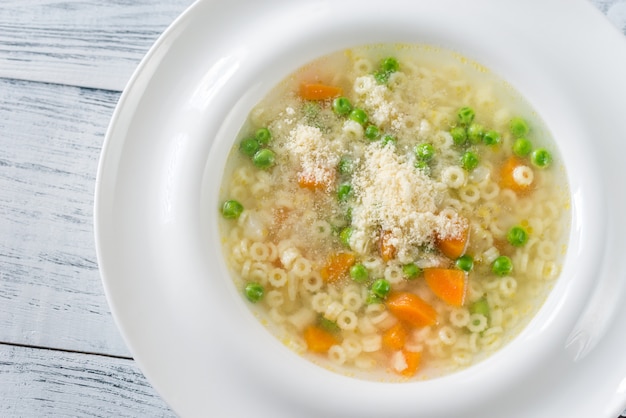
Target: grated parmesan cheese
{"points": [[318, 160], [381, 110], [395, 197]]}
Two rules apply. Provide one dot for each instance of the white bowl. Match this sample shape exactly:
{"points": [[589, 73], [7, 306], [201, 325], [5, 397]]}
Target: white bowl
{"points": [[160, 171]]}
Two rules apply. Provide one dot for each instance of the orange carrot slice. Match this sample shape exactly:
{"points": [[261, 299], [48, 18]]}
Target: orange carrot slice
{"points": [[411, 308], [507, 177], [413, 359], [454, 247], [318, 91], [318, 340], [448, 284], [337, 266], [312, 182], [395, 337], [387, 249]]}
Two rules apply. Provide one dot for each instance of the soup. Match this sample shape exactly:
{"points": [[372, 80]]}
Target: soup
{"points": [[394, 212]]}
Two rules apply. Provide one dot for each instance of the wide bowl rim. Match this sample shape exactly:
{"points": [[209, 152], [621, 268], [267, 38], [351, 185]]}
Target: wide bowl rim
{"points": [[133, 99]]}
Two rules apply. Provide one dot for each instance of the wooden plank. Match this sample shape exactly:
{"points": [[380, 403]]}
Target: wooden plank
{"points": [[50, 289], [95, 43], [40, 382]]}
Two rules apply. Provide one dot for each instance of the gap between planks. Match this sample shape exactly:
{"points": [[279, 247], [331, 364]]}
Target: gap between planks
{"points": [[64, 350]]}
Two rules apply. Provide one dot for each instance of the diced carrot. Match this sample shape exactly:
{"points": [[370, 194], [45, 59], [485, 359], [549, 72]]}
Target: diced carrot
{"points": [[413, 359], [411, 308], [312, 182], [318, 91], [337, 266], [454, 247], [507, 178], [448, 285], [395, 337], [387, 249], [318, 340]]}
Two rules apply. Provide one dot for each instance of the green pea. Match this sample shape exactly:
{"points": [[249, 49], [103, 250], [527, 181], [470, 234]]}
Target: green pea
{"points": [[327, 324], [465, 263], [346, 166], [263, 135], [481, 306], [358, 115], [389, 65], [459, 135], [388, 139], [249, 146], [343, 192], [231, 209], [475, 133], [424, 152], [381, 77], [344, 236], [359, 273], [372, 299], [502, 266], [422, 166], [466, 115], [342, 106], [491, 138], [254, 292], [264, 158], [381, 288], [541, 158], [517, 236], [469, 160], [522, 147], [518, 127], [411, 271], [372, 132]]}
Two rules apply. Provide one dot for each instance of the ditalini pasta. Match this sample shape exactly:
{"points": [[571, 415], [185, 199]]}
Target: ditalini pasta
{"points": [[394, 212]]}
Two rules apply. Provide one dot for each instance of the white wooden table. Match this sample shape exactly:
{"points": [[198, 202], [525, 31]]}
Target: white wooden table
{"points": [[63, 65]]}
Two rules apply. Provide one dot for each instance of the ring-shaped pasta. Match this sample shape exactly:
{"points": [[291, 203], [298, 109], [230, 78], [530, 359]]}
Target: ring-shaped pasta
{"points": [[371, 343], [337, 354], [259, 251], [351, 346], [394, 274], [313, 282], [469, 193], [459, 317], [347, 320], [489, 190], [546, 250], [277, 277], [447, 335], [454, 177], [274, 298], [477, 323], [333, 310], [508, 286], [301, 267], [352, 300]]}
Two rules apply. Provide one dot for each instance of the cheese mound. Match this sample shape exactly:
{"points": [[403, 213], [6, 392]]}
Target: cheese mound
{"points": [[393, 196], [318, 160]]}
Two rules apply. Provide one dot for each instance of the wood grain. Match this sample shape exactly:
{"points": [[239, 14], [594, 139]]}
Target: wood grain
{"points": [[50, 289], [38, 383], [94, 43]]}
